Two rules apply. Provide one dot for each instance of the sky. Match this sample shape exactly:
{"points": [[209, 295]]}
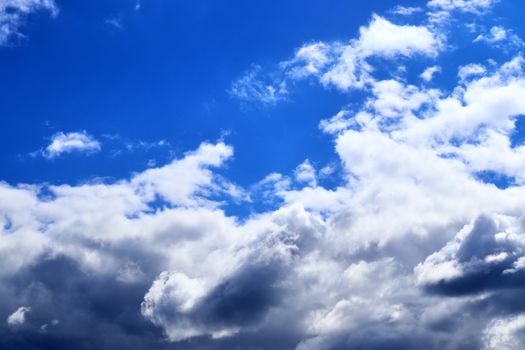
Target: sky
{"points": [[303, 175]]}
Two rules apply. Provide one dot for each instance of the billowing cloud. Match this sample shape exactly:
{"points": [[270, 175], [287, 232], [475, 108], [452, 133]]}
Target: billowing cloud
{"points": [[410, 247], [345, 65]]}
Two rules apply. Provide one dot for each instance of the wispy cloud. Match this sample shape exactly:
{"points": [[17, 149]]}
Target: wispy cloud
{"points": [[13, 14], [252, 86]]}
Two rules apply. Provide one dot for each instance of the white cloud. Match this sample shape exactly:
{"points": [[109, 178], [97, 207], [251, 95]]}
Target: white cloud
{"points": [[381, 38], [470, 70], [14, 12], [499, 35], [393, 99], [305, 172], [18, 317], [496, 34], [492, 101], [501, 334], [252, 87], [63, 143], [406, 11], [384, 38], [428, 73], [310, 60], [181, 181], [343, 65], [441, 11], [339, 122], [461, 5]]}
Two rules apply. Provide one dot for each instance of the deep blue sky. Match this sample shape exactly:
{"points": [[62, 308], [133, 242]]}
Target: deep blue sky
{"points": [[165, 75]]}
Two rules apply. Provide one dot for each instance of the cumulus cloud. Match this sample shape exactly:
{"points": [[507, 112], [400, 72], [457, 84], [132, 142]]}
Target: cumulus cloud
{"points": [[411, 249], [381, 38], [71, 142], [340, 64], [14, 12]]}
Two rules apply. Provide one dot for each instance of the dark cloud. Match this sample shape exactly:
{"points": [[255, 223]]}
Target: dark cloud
{"points": [[486, 263], [91, 311], [242, 299]]}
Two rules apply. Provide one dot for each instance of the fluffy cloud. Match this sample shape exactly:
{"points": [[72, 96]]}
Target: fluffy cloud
{"points": [[349, 67], [410, 248], [13, 13], [343, 65], [71, 142]]}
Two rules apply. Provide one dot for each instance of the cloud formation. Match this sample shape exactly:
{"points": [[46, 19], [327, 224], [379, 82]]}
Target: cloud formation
{"points": [[413, 248]]}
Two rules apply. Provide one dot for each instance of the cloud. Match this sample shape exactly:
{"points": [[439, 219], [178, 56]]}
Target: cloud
{"points": [[381, 38], [18, 317], [461, 5], [406, 11], [478, 259], [343, 65], [114, 22], [441, 11], [498, 35], [252, 88], [428, 73], [72, 142], [470, 70], [14, 12], [305, 172], [409, 249], [502, 334]]}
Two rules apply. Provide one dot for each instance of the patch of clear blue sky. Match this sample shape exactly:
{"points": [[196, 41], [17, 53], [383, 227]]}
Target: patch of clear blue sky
{"points": [[165, 75]]}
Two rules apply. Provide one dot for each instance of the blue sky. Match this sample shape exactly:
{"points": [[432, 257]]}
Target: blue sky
{"points": [[267, 174], [164, 75]]}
